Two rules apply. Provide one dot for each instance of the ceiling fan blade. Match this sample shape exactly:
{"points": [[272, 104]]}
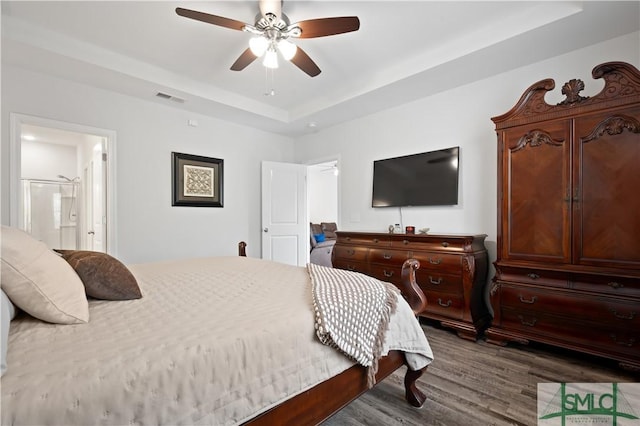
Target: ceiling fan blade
{"points": [[211, 19], [305, 63], [244, 60], [328, 26]]}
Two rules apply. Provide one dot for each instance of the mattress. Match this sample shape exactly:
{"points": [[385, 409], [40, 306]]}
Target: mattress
{"points": [[213, 341]]}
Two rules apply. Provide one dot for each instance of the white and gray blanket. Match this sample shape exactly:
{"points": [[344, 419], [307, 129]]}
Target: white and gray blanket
{"points": [[352, 312]]}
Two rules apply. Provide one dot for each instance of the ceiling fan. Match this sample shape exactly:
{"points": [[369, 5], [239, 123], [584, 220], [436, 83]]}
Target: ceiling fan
{"points": [[272, 30]]}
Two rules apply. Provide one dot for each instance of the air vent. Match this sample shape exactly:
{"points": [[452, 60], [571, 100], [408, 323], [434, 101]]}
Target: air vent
{"points": [[170, 97]]}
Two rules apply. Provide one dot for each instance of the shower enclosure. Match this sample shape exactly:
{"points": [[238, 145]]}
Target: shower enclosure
{"points": [[51, 211]]}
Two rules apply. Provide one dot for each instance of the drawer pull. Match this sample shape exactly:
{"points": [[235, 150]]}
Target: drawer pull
{"points": [[351, 252], [434, 262], [445, 244], [387, 256], [387, 274], [405, 242], [351, 268], [444, 305], [348, 238], [530, 323], [533, 276], [529, 301], [375, 240], [614, 284], [615, 313], [629, 343], [434, 282]]}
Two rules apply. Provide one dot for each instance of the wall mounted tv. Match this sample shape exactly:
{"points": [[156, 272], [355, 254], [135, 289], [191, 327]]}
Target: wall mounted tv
{"points": [[425, 179]]}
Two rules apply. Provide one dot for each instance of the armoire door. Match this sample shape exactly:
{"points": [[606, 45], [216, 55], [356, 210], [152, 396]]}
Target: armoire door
{"points": [[607, 189], [535, 193]]}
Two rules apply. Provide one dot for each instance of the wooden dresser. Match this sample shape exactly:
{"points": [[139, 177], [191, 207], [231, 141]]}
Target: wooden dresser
{"points": [[568, 258], [452, 274]]}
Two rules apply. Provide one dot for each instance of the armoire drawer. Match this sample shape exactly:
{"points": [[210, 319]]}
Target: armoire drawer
{"points": [[624, 339], [615, 286], [577, 306], [533, 276]]}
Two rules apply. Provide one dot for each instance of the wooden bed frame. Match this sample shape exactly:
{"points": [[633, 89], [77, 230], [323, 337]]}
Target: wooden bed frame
{"points": [[317, 404]]}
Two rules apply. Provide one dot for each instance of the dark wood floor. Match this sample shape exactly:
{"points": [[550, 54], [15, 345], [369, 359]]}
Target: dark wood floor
{"points": [[477, 384]]}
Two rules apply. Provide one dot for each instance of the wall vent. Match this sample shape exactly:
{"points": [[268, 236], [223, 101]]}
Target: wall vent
{"points": [[170, 97]]}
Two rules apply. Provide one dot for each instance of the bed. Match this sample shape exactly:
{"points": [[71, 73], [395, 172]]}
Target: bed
{"points": [[224, 340]]}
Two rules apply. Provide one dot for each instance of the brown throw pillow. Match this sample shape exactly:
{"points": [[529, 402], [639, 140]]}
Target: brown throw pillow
{"points": [[104, 277], [329, 229]]}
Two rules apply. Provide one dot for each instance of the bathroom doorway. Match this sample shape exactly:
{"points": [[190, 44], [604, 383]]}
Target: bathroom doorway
{"points": [[62, 179]]}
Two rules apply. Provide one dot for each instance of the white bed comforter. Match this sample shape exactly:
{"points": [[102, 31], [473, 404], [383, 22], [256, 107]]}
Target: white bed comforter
{"points": [[213, 341]]}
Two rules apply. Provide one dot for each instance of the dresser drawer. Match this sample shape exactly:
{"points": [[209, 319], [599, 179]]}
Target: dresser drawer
{"points": [[604, 336], [445, 305], [390, 273], [350, 253], [387, 256], [436, 281], [447, 263], [431, 242], [351, 265], [365, 239], [578, 306]]}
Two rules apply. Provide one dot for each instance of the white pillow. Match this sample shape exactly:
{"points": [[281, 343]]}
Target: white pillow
{"points": [[8, 312], [40, 282]]}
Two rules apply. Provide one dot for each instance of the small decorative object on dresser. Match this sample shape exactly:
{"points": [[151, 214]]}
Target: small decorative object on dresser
{"points": [[568, 255], [452, 274]]}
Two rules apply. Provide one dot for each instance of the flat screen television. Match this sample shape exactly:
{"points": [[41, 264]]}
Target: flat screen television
{"points": [[425, 179]]}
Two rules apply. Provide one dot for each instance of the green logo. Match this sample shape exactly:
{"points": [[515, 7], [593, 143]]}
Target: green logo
{"points": [[588, 403]]}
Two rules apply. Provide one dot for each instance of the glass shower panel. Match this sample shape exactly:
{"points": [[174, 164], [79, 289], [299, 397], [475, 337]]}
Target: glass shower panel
{"points": [[51, 212]]}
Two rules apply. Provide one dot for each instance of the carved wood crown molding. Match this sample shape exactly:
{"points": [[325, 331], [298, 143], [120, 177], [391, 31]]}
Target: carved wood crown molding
{"points": [[571, 90], [613, 125], [622, 87], [535, 138]]}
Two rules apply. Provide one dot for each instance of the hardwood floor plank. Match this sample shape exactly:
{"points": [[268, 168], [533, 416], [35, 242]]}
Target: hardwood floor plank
{"points": [[477, 383]]}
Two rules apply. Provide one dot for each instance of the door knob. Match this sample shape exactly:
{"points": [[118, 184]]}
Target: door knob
{"points": [[266, 229], [91, 233]]}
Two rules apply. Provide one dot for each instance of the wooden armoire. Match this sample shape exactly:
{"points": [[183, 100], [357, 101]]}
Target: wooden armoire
{"points": [[568, 255]]}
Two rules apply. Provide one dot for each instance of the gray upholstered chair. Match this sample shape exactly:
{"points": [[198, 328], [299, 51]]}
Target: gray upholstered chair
{"points": [[322, 241]]}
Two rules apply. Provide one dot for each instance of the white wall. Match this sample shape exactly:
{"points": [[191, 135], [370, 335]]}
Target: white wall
{"points": [[458, 117], [322, 187], [47, 161], [148, 227]]}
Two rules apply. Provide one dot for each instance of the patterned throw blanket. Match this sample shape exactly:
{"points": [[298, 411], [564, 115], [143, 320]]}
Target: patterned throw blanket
{"points": [[352, 313]]}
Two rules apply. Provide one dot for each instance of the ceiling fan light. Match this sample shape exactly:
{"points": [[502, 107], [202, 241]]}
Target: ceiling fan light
{"points": [[270, 59], [287, 49], [258, 45]]}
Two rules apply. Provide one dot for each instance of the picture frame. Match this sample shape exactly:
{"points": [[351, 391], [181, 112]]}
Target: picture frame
{"points": [[196, 181]]}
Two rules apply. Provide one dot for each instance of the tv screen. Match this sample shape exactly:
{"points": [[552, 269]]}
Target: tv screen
{"points": [[425, 179]]}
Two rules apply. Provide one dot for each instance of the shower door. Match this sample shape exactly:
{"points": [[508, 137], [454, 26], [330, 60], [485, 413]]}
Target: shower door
{"points": [[51, 212]]}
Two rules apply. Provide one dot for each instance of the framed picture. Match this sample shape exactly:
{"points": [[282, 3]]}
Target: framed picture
{"points": [[196, 180]]}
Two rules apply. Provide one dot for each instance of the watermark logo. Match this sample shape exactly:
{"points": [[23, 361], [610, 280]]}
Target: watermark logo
{"points": [[600, 404]]}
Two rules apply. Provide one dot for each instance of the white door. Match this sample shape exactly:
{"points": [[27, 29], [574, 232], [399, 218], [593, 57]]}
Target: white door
{"points": [[285, 228]]}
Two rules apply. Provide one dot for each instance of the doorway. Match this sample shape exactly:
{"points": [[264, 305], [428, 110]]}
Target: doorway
{"points": [[61, 183], [323, 191]]}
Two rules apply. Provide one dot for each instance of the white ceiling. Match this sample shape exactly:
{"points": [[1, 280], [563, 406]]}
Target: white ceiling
{"points": [[403, 51]]}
